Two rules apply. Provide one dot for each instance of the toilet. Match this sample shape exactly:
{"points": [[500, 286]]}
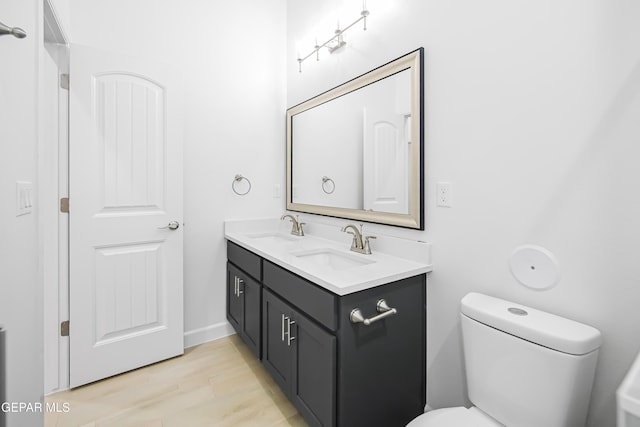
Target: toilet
{"points": [[524, 368]]}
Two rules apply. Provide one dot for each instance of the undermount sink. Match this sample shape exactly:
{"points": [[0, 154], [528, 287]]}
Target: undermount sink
{"points": [[332, 259], [273, 236]]}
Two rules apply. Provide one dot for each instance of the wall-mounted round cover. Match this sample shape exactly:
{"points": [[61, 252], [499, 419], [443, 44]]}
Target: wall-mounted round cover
{"points": [[535, 267]]}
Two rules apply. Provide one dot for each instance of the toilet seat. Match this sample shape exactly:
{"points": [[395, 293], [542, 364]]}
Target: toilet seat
{"points": [[455, 417]]}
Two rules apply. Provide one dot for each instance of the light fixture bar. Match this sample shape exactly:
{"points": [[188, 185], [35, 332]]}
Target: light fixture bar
{"points": [[337, 38]]}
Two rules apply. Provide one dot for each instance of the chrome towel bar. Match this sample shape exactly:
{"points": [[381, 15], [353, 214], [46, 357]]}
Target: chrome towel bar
{"points": [[382, 308]]}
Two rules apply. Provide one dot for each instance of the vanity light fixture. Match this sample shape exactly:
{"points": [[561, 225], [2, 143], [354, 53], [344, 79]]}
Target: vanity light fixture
{"points": [[337, 41]]}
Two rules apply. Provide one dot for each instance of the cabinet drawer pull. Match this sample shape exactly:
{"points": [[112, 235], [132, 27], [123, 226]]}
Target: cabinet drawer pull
{"points": [[382, 308], [286, 331], [282, 328], [236, 286], [289, 337]]}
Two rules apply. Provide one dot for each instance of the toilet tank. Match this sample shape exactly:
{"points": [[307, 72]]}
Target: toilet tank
{"points": [[525, 367]]}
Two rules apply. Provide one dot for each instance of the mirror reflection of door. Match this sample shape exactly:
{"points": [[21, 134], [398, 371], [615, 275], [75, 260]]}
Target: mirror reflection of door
{"points": [[386, 160], [369, 165]]}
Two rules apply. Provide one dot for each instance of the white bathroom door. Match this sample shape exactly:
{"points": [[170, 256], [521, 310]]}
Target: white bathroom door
{"points": [[385, 161], [125, 188]]}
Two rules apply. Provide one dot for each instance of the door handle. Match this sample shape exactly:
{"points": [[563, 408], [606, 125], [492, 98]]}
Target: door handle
{"points": [[282, 327], [236, 286], [289, 337], [286, 332], [173, 225], [240, 291]]}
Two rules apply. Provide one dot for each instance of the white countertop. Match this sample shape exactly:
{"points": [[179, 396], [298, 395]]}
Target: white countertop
{"points": [[270, 239]]}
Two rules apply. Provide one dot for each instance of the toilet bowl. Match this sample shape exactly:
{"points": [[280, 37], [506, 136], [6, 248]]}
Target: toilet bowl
{"points": [[455, 417], [524, 368]]}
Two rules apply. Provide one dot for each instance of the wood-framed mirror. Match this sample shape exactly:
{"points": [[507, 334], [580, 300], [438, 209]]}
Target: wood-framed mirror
{"points": [[356, 151]]}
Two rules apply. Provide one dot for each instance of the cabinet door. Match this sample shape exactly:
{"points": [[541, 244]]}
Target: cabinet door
{"points": [[251, 321], [277, 356], [313, 381], [235, 306], [243, 306], [382, 373]]}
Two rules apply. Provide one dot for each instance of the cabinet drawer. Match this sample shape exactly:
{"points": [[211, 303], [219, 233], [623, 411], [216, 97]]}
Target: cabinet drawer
{"points": [[246, 260], [316, 302]]}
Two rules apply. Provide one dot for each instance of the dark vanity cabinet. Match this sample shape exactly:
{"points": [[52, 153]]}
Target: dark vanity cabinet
{"points": [[336, 372]]}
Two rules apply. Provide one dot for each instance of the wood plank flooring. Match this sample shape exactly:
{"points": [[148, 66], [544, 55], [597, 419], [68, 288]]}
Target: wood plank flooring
{"points": [[214, 384]]}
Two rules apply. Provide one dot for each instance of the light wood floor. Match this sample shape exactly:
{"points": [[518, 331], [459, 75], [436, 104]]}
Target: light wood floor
{"points": [[214, 384]]}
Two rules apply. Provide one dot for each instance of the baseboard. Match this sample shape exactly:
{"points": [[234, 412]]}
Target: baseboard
{"points": [[208, 333]]}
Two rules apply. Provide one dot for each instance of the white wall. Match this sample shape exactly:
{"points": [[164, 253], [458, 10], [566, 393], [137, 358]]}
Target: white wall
{"points": [[234, 79], [20, 289], [532, 112]]}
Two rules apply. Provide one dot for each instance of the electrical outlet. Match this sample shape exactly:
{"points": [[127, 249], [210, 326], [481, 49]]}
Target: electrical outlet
{"points": [[444, 194]]}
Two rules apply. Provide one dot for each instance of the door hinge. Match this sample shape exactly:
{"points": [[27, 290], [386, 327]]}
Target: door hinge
{"points": [[64, 205], [64, 81], [64, 329]]}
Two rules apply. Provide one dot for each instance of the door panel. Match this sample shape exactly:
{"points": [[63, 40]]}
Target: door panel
{"points": [[235, 306], [252, 314], [276, 354], [244, 307], [130, 119], [127, 288], [125, 184], [314, 377], [386, 161]]}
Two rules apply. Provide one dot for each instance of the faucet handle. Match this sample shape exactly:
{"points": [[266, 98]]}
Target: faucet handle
{"points": [[365, 246]]}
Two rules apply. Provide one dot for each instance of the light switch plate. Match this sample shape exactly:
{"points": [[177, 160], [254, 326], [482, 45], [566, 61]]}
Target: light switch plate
{"points": [[24, 198]]}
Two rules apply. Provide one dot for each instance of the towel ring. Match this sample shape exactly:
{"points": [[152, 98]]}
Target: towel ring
{"points": [[326, 179], [238, 178]]}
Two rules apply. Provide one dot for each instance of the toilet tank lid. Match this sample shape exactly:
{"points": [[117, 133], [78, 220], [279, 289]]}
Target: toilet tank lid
{"points": [[530, 324]]}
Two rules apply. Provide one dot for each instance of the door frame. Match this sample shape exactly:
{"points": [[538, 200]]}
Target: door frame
{"points": [[53, 176]]}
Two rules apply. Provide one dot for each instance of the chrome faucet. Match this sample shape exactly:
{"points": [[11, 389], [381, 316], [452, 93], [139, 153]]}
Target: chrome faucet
{"points": [[359, 243], [296, 226]]}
